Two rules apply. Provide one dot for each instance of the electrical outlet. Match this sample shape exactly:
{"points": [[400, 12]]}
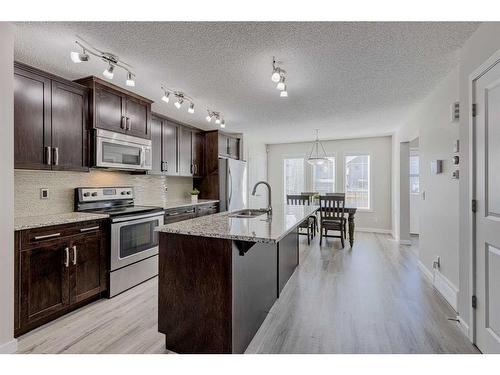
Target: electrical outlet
{"points": [[44, 193], [437, 262]]}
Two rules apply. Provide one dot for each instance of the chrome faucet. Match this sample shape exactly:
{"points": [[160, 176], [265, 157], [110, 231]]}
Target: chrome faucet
{"points": [[269, 208]]}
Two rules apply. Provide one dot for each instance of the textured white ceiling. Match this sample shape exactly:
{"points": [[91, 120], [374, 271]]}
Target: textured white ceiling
{"points": [[347, 79]]}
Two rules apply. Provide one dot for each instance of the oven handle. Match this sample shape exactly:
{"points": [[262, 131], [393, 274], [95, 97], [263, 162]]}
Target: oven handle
{"points": [[133, 218]]}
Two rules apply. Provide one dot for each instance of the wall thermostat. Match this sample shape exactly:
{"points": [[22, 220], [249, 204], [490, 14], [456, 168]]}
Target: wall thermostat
{"points": [[436, 166]]}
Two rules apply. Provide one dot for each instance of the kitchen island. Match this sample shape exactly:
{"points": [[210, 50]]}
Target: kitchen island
{"points": [[219, 275]]}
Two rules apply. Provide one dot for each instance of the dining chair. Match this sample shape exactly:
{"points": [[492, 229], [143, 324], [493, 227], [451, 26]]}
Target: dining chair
{"points": [[339, 195], [332, 216], [310, 223], [313, 200]]}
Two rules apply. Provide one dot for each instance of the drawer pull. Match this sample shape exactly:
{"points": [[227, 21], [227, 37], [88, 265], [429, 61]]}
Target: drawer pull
{"points": [[37, 238], [74, 255], [88, 229], [173, 213], [66, 261]]}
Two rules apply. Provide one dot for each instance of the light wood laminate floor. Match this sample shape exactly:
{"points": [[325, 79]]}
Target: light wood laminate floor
{"points": [[369, 299]]}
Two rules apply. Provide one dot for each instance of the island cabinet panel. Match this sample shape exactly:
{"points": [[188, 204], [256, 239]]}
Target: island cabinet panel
{"points": [[254, 289], [288, 258], [195, 293]]}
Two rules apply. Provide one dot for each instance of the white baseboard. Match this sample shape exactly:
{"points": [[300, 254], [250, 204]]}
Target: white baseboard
{"points": [[374, 230], [9, 347], [446, 288], [441, 283], [426, 272], [463, 326]]}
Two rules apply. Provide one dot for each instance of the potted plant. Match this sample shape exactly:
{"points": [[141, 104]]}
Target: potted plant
{"points": [[194, 195]]}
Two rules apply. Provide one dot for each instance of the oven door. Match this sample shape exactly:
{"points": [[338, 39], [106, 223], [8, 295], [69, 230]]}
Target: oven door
{"points": [[121, 152], [134, 239]]}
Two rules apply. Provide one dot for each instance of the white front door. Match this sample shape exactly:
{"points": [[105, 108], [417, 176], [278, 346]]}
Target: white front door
{"points": [[487, 156]]}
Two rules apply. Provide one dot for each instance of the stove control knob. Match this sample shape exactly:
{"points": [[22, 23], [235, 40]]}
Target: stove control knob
{"points": [[128, 193], [123, 193], [94, 194], [87, 194]]}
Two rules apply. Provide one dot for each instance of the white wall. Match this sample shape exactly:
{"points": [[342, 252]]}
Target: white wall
{"points": [[7, 342], [379, 218], [481, 45], [255, 153], [439, 211]]}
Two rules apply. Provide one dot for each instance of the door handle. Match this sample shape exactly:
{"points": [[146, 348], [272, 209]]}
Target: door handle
{"points": [[55, 151], [82, 230], [162, 169], [66, 261], [231, 185], [191, 169], [74, 255], [122, 122], [128, 123], [48, 155]]}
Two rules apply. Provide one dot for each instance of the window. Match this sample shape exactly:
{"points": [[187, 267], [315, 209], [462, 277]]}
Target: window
{"points": [[414, 172], [357, 181], [323, 177], [293, 176]]}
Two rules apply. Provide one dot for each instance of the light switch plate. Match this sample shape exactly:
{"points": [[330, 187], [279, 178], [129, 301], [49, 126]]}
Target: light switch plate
{"points": [[44, 193]]}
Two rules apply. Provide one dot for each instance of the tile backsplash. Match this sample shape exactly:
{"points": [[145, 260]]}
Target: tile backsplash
{"points": [[149, 190]]}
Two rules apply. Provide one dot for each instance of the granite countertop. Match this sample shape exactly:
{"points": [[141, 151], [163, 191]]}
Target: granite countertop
{"points": [[187, 202], [29, 222], [285, 218]]}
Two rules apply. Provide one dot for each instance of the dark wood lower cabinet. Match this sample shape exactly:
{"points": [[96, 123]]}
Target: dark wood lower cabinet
{"points": [[57, 269]]}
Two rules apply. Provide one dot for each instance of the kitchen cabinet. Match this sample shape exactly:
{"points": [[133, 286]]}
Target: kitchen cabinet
{"points": [[57, 269], [170, 148], [116, 109], [50, 121], [198, 150], [174, 215], [185, 151], [229, 145]]}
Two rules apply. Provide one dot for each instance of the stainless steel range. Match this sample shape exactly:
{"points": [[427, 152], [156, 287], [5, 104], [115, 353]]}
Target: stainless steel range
{"points": [[134, 243]]}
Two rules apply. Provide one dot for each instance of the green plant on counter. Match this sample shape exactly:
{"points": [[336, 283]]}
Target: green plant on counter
{"points": [[195, 192]]}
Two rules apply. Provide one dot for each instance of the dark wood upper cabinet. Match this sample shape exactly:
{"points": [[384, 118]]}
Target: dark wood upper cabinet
{"points": [[50, 121], [233, 146], [156, 151], [170, 148], [116, 109], [198, 149], [32, 124], [69, 127], [229, 145], [108, 110], [185, 152]]}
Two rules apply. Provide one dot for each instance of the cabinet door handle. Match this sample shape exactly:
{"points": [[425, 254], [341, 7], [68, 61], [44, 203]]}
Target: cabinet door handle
{"points": [[47, 236], [166, 166], [88, 229], [48, 155], [122, 122], [66, 261], [74, 255], [128, 123], [55, 158], [191, 169], [172, 213]]}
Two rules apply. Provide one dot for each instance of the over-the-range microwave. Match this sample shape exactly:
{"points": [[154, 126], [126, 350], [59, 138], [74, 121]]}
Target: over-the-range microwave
{"points": [[122, 151]]}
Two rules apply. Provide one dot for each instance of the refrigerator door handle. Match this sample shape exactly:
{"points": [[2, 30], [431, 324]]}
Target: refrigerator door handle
{"points": [[231, 186]]}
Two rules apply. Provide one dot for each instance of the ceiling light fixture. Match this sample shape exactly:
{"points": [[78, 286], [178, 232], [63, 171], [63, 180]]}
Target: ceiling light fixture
{"points": [[278, 76], [315, 158], [130, 80], [180, 96], [112, 60], [219, 120]]}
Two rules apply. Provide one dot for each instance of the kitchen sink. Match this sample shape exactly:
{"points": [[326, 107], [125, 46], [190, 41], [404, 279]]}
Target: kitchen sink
{"points": [[249, 213]]}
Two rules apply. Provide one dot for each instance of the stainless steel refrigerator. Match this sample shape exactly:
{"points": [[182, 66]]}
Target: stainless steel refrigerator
{"points": [[233, 184]]}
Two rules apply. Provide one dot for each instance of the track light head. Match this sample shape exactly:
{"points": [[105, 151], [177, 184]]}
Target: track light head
{"points": [[108, 73], [275, 77], [78, 57], [208, 118], [223, 123], [166, 96], [284, 93], [281, 84], [191, 108], [178, 103], [130, 80], [217, 121]]}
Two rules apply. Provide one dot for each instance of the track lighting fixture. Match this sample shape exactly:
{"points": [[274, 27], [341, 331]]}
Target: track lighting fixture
{"points": [[108, 73], [112, 60], [219, 120], [130, 80], [180, 96], [278, 76]]}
